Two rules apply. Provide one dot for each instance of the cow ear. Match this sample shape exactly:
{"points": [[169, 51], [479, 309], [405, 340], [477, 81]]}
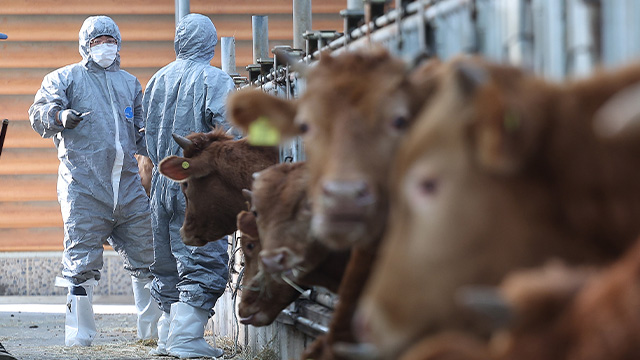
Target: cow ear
{"points": [[246, 223], [469, 76], [175, 168], [245, 107], [423, 82], [506, 125], [247, 196]]}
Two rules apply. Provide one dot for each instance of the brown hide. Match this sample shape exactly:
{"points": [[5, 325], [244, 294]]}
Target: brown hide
{"points": [[502, 171], [557, 313], [279, 201], [262, 297], [354, 110], [213, 173], [596, 316], [145, 168]]}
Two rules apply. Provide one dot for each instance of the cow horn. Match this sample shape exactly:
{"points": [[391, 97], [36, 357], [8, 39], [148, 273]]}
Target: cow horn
{"points": [[296, 64], [183, 141], [619, 117]]}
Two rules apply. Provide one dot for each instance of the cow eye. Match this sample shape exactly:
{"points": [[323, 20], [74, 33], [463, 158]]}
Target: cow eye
{"points": [[428, 186], [251, 246], [303, 128], [400, 122], [255, 213]]}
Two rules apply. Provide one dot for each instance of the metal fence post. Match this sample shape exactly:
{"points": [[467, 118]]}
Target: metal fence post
{"points": [[301, 22], [182, 9], [228, 54], [260, 29]]}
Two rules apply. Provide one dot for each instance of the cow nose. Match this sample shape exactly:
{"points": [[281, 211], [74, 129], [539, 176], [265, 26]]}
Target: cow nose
{"points": [[274, 263], [358, 191]]}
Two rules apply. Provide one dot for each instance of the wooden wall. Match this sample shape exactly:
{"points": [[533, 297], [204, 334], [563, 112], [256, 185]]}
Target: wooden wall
{"points": [[43, 36]]}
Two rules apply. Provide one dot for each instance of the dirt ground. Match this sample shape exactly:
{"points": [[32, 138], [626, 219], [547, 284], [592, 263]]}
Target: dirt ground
{"points": [[31, 335]]}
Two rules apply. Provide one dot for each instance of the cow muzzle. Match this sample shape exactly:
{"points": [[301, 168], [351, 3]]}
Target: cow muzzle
{"points": [[343, 213]]}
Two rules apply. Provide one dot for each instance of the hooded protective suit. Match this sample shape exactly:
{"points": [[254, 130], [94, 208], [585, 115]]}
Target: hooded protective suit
{"points": [[188, 95], [99, 188]]}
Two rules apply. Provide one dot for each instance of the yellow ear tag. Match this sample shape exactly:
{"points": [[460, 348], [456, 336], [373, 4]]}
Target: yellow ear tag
{"points": [[185, 165], [262, 133]]}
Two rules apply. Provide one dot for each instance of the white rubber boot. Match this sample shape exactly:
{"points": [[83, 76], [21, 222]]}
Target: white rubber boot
{"points": [[163, 333], [186, 333], [147, 309], [79, 326]]}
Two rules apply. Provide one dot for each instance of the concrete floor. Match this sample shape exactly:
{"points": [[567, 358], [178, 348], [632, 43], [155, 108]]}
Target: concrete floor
{"points": [[33, 328]]}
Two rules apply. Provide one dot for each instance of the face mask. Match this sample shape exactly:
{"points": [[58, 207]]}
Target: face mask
{"points": [[104, 54]]}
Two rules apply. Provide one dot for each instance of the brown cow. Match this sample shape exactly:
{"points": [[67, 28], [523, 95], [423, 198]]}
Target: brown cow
{"points": [[145, 168], [352, 115], [262, 297], [501, 171], [555, 312], [563, 313], [214, 170], [278, 199], [283, 215]]}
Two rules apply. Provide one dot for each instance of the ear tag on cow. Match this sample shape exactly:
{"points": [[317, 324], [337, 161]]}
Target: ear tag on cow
{"points": [[262, 133], [185, 165], [511, 121]]}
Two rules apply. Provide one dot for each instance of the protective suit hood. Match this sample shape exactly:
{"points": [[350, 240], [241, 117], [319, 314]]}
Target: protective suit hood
{"points": [[196, 38], [93, 27]]}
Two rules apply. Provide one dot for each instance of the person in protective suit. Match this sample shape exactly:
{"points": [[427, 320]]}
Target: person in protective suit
{"points": [[188, 95], [93, 112]]}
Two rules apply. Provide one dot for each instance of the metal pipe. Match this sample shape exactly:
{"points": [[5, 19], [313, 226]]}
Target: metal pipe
{"points": [[299, 320], [260, 29], [301, 22], [182, 9], [355, 4], [228, 54]]}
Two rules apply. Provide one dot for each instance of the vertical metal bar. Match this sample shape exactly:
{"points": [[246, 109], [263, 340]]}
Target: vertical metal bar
{"points": [[228, 54], [3, 132], [182, 9], [355, 4], [260, 28], [581, 43], [367, 20], [301, 22], [518, 44], [399, 15], [422, 29]]}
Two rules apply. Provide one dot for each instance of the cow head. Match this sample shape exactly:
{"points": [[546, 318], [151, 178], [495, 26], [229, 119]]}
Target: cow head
{"points": [[263, 297], [467, 202], [351, 116], [214, 170], [283, 215]]}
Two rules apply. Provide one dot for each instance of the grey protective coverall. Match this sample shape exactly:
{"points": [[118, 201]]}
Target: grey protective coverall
{"points": [[99, 188], [188, 95]]}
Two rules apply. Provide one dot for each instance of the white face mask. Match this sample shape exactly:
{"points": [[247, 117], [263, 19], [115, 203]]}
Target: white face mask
{"points": [[104, 54]]}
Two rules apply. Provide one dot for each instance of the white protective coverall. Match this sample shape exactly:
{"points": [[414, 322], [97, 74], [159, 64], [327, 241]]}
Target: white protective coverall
{"points": [[99, 189], [188, 95]]}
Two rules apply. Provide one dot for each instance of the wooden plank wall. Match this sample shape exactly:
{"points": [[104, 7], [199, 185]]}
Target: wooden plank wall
{"points": [[43, 36]]}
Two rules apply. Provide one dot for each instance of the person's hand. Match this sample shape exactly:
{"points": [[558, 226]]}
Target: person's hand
{"points": [[70, 118]]}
